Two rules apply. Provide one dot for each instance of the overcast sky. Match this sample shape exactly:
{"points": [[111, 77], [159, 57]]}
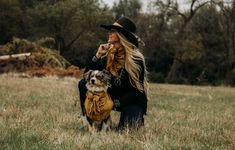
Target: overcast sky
{"points": [[183, 3], [144, 2]]}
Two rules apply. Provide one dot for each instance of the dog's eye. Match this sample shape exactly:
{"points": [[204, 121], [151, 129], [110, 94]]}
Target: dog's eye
{"points": [[99, 76]]}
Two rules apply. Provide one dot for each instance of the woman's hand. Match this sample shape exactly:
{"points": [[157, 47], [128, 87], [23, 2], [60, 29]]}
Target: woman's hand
{"points": [[103, 50]]}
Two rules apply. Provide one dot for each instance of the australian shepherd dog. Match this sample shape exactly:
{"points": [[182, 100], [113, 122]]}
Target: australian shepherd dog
{"points": [[98, 103]]}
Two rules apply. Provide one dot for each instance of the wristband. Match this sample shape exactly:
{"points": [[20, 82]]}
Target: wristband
{"points": [[116, 103]]}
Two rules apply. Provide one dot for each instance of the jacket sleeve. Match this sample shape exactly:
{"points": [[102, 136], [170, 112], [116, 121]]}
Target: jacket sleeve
{"points": [[95, 64]]}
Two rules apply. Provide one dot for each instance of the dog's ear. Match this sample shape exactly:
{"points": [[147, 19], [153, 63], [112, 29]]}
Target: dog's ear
{"points": [[106, 74], [106, 77], [105, 71], [87, 75]]}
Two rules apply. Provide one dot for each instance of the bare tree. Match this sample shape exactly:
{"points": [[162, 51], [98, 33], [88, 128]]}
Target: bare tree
{"points": [[195, 5]]}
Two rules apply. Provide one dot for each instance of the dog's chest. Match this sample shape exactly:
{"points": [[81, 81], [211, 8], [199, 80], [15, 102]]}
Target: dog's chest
{"points": [[98, 105]]}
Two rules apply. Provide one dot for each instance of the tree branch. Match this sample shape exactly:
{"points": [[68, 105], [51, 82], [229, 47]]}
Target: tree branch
{"points": [[74, 39]]}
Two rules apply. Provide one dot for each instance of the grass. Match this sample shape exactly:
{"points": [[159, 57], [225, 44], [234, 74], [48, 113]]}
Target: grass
{"points": [[39, 113]]}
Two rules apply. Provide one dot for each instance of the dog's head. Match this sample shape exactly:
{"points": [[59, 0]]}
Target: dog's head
{"points": [[97, 80]]}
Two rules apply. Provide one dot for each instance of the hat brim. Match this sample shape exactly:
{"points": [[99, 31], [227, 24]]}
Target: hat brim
{"points": [[130, 36]]}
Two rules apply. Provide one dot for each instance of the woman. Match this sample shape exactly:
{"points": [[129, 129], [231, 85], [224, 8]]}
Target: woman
{"points": [[121, 57]]}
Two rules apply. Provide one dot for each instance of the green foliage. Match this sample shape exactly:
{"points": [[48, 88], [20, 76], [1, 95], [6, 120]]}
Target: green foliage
{"points": [[40, 56], [159, 44], [215, 55], [47, 57], [156, 77], [18, 46], [46, 42], [130, 8], [73, 24], [9, 25]]}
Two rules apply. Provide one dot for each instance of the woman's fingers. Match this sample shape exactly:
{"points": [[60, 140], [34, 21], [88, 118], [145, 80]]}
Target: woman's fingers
{"points": [[103, 49]]}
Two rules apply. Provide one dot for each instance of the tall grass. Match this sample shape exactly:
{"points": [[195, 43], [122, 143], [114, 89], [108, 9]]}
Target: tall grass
{"points": [[39, 113]]}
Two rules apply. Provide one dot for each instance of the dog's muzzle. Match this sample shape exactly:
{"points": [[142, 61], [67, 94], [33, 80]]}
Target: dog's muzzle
{"points": [[92, 81]]}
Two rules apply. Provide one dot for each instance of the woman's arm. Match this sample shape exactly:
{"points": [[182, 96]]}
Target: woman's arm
{"points": [[97, 61], [95, 64]]}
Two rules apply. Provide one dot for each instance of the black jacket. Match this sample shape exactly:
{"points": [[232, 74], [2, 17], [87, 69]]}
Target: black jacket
{"points": [[121, 88]]}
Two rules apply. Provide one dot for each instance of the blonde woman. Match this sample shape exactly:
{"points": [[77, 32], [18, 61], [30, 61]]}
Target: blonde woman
{"points": [[123, 60]]}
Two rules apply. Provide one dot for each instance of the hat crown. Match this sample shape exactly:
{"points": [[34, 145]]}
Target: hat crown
{"points": [[127, 24]]}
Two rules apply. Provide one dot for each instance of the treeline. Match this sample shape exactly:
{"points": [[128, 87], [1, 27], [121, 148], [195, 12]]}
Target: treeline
{"points": [[194, 45]]}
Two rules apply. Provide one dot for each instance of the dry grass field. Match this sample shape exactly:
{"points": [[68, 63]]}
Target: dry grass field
{"points": [[39, 113]]}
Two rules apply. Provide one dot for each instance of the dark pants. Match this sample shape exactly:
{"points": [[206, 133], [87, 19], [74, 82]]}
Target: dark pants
{"points": [[131, 116]]}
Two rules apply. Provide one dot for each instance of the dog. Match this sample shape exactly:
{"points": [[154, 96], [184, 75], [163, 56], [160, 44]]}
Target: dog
{"points": [[98, 103]]}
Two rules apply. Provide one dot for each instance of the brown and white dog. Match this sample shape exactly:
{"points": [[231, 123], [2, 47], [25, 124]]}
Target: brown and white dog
{"points": [[98, 103]]}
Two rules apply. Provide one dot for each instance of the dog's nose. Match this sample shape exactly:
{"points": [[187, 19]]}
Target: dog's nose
{"points": [[92, 81]]}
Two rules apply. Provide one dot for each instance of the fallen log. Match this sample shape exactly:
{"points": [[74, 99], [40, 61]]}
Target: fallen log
{"points": [[20, 56]]}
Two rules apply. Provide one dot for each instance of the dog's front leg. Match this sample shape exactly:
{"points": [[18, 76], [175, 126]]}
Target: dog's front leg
{"points": [[85, 122], [93, 128], [105, 127]]}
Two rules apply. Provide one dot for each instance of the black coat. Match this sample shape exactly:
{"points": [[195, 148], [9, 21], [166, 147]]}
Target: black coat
{"points": [[123, 90]]}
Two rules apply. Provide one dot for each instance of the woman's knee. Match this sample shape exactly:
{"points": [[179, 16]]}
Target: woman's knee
{"points": [[82, 90], [132, 117]]}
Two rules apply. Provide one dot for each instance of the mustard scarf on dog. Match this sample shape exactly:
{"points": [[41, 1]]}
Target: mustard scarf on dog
{"points": [[115, 60], [98, 105]]}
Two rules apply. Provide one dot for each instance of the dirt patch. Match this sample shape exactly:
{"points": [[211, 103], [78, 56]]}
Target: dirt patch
{"points": [[71, 71]]}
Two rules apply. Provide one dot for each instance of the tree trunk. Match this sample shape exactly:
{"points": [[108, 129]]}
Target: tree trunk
{"points": [[173, 75]]}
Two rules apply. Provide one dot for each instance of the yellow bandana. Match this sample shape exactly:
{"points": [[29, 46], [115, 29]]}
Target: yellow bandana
{"points": [[115, 60], [98, 105]]}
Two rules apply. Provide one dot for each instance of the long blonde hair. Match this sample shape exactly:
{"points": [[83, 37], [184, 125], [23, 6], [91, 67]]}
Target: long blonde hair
{"points": [[134, 70]]}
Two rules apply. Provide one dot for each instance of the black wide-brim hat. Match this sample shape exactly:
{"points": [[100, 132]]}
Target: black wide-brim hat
{"points": [[126, 27]]}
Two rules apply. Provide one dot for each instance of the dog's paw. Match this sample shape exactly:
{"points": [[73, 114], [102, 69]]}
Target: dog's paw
{"points": [[105, 127], [84, 122]]}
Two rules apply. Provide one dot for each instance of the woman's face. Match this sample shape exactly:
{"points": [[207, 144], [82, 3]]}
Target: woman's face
{"points": [[113, 37]]}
